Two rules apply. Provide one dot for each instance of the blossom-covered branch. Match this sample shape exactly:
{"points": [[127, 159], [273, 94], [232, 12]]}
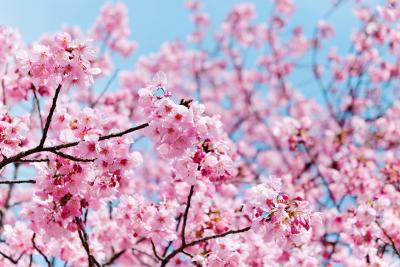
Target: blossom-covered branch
{"points": [[249, 143]]}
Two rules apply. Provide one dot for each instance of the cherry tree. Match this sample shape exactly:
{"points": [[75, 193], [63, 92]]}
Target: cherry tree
{"points": [[207, 153]]}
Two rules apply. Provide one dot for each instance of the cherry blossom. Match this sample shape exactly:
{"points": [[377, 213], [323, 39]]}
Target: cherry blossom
{"points": [[209, 151]]}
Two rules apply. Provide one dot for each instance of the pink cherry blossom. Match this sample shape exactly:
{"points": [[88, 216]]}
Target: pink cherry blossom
{"points": [[209, 151]]}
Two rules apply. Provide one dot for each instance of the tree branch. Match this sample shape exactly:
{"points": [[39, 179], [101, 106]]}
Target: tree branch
{"points": [[38, 107], [40, 251], [144, 253], [395, 249], [50, 116], [112, 78], [70, 157], [201, 240], [155, 251], [176, 229], [18, 182], [185, 215], [32, 160], [114, 258], [11, 258], [84, 240], [181, 249], [130, 130], [55, 148]]}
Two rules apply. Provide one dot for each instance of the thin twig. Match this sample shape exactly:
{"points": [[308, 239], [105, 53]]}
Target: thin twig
{"points": [[165, 259], [112, 78], [50, 116], [85, 243], [185, 215], [32, 160], [18, 182], [144, 253], [3, 86], [201, 240], [155, 251], [70, 157], [39, 149], [9, 193], [390, 238], [11, 259], [179, 219], [114, 258], [40, 251], [38, 107]]}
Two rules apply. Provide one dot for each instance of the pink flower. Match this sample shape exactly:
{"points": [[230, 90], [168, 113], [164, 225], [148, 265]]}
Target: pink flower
{"points": [[277, 216], [112, 28], [18, 237]]}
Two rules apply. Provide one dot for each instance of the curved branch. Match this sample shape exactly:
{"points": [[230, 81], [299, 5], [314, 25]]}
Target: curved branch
{"points": [[153, 247], [55, 148], [185, 215], [114, 258], [38, 107], [11, 259], [105, 88], [395, 249], [18, 182], [70, 157], [40, 251], [201, 240], [50, 116], [85, 243]]}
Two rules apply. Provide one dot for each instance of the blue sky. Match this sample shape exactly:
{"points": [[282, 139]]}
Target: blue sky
{"points": [[154, 21], [151, 21]]}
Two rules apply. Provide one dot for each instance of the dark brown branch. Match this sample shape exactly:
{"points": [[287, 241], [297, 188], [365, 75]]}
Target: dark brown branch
{"points": [[201, 240], [324, 182], [144, 253], [138, 258], [101, 138], [85, 243], [110, 210], [187, 254], [32, 160], [8, 196], [70, 157], [114, 258], [176, 229], [9, 193], [38, 107], [112, 78], [204, 239], [55, 148], [11, 259], [18, 182], [40, 251], [3, 86], [130, 130], [395, 249], [185, 215], [50, 116], [155, 251]]}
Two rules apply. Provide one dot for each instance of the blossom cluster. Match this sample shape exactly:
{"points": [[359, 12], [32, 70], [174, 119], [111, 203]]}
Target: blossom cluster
{"points": [[13, 132], [278, 216], [111, 27], [59, 60], [184, 133], [209, 151]]}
